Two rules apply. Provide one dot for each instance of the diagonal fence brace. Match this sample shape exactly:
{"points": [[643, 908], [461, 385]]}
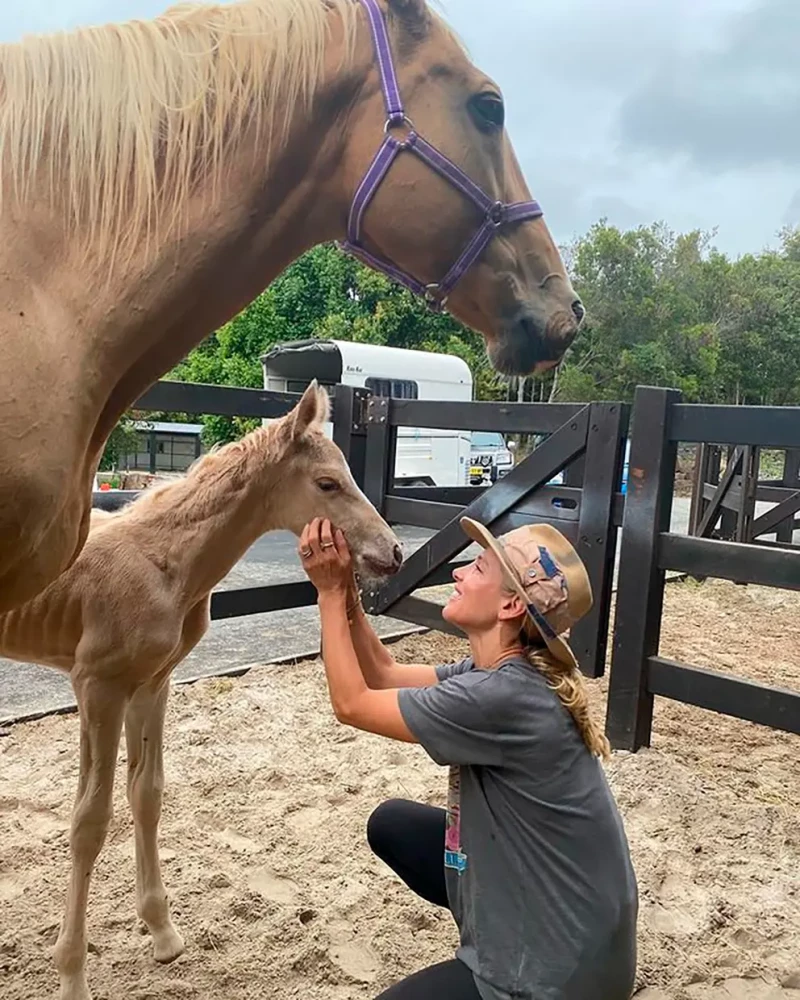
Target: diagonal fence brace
{"points": [[561, 448]]}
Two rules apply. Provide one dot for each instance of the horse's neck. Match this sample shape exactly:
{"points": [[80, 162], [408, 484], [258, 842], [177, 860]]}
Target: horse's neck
{"points": [[127, 327], [227, 258], [200, 540]]}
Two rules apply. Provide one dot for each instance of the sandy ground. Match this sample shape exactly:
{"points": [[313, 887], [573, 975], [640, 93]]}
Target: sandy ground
{"points": [[277, 894]]}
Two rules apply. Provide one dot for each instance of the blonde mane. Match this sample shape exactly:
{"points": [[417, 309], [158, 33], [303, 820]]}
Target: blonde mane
{"points": [[236, 462], [119, 122]]}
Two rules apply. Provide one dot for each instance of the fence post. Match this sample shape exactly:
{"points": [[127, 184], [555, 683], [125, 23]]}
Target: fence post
{"points": [[575, 472], [700, 476], [151, 445], [350, 428], [601, 468], [728, 516], [791, 475], [380, 450], [379, 462], [751, 461], [640, 588]]}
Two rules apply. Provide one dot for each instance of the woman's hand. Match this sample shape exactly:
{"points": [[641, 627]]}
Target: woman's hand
{"points": [[326, 560], [326, 557]]}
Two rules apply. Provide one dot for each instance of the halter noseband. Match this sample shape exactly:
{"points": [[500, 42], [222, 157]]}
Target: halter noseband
{"points": [[496, 214]]}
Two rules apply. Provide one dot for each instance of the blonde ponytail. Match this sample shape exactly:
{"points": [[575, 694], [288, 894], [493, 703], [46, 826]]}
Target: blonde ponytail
{"points": [[570, 686]]}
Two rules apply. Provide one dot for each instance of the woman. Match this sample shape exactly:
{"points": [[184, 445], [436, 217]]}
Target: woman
{"points": [[530, 855]]}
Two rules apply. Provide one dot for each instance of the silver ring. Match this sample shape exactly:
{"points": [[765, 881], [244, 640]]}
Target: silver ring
{"points": [[327, 545], [389, 124], [305, 553]]}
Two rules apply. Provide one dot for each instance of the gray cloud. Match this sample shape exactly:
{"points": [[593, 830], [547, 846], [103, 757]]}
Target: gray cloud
{"points": [[618, 211], [734, 105]]}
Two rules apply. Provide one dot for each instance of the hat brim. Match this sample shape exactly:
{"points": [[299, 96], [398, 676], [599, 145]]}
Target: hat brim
{"points": [[480, 534]]}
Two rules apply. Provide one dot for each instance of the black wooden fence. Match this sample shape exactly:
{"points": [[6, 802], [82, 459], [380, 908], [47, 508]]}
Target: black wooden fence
{"points": [[648, 549], [724, 504], [586, 442]]}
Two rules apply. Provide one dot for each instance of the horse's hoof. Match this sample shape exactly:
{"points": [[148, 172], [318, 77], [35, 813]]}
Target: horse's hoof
{"points": [[167, 945]]}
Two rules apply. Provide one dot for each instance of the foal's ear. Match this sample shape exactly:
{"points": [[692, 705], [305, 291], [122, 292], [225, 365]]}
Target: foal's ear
{"points": [[312, 410]]}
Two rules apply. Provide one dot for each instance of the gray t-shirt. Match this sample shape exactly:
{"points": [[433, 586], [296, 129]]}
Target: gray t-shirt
{"points": [[538, 872]]}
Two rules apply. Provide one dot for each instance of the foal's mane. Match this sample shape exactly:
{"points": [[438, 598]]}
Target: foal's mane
{"points": [[124, 118], [231, 465]]}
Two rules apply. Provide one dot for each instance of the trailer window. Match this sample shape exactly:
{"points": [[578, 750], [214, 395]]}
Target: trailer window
{"points": [[394, 387], [299, 386]]}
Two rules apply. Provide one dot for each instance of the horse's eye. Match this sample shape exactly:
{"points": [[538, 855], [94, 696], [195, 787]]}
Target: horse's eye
{"points": [[327, 485], [488, 111]]}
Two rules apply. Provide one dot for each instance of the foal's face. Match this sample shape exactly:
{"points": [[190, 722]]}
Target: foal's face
{"points": [[517, 295], [316, 482]]}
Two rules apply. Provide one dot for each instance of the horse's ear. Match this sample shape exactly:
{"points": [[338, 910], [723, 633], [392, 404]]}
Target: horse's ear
{"points": [[415, 13], [312, 410]]}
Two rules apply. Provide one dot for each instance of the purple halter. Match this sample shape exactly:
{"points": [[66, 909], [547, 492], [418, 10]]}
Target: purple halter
{"points": [[496, 214]]}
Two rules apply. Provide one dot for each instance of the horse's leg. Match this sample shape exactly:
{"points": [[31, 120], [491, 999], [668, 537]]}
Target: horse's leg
{"points": [[101, 706], [144, 729]]}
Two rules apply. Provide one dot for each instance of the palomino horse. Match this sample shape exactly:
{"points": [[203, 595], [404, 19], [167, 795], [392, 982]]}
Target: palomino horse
{"points": [[156, 176], [136, 601]]}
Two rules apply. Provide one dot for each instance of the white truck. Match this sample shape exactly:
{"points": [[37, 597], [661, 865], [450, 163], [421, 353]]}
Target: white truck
{"points": [[425, 457]]}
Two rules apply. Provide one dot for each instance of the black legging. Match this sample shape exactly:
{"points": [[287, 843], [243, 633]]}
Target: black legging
{"points": [[409, 837]]}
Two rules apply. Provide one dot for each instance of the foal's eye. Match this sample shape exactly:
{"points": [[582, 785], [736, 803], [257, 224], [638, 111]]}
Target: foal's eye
{"points": [[327, 485], [488, 111]]}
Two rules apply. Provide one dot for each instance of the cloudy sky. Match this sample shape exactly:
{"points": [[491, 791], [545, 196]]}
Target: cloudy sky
{"points": [[683, 111]]}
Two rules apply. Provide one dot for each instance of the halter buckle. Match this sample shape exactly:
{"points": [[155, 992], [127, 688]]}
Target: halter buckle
{"points": [[433, 299], [497, 214]]}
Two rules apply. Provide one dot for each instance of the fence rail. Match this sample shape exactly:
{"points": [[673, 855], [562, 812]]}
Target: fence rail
{"points": [[509, 418], [219, 400], [764, 426]]}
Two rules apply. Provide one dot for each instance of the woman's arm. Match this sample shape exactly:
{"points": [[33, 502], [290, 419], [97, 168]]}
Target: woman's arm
{"points": [[354, 703], [326, 560], [379, 667]]}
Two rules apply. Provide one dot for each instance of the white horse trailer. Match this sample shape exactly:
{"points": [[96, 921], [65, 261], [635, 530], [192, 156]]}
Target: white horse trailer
{"points": [[425, 457]]}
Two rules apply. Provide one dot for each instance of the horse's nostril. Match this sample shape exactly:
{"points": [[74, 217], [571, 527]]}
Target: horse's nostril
{"points": [[578, 310], [398, 555]]}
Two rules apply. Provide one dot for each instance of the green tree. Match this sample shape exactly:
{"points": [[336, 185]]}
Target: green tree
{"points": [[663, 308], [326, 294], [122, 441], [667, 309]]}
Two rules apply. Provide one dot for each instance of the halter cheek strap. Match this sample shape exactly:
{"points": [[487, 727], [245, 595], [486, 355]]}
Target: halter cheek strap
{"points": [[496, 215]]}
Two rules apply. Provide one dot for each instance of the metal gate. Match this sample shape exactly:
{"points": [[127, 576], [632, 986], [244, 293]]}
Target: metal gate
{"points": [[584, 441]]}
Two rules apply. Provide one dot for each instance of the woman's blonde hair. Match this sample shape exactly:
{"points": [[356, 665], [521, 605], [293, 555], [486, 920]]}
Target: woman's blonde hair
{"points": [[569, 685]]}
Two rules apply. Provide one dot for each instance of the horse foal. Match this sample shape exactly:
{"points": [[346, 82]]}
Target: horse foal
{"points": [[134, 604]]}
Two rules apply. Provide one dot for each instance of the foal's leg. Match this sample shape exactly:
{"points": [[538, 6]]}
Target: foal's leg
{"points": [[144, 729], [101, 706]]}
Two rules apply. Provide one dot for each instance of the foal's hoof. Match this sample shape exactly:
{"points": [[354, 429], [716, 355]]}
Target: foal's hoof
{"points": [[167, 945]]}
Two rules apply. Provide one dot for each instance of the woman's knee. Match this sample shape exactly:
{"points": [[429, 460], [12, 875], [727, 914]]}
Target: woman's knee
{"points": [[383, 824], [451, 980]]}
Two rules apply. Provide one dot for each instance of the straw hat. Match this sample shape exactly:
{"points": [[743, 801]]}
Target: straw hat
{"points": [[545, 570]]}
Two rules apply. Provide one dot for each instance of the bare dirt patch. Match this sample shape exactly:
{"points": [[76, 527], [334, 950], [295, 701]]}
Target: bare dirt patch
{"points": [[278, 896]]}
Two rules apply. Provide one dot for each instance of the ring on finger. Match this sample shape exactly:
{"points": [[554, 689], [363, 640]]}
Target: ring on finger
{"points": [[327, 545], [305, 553]]}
